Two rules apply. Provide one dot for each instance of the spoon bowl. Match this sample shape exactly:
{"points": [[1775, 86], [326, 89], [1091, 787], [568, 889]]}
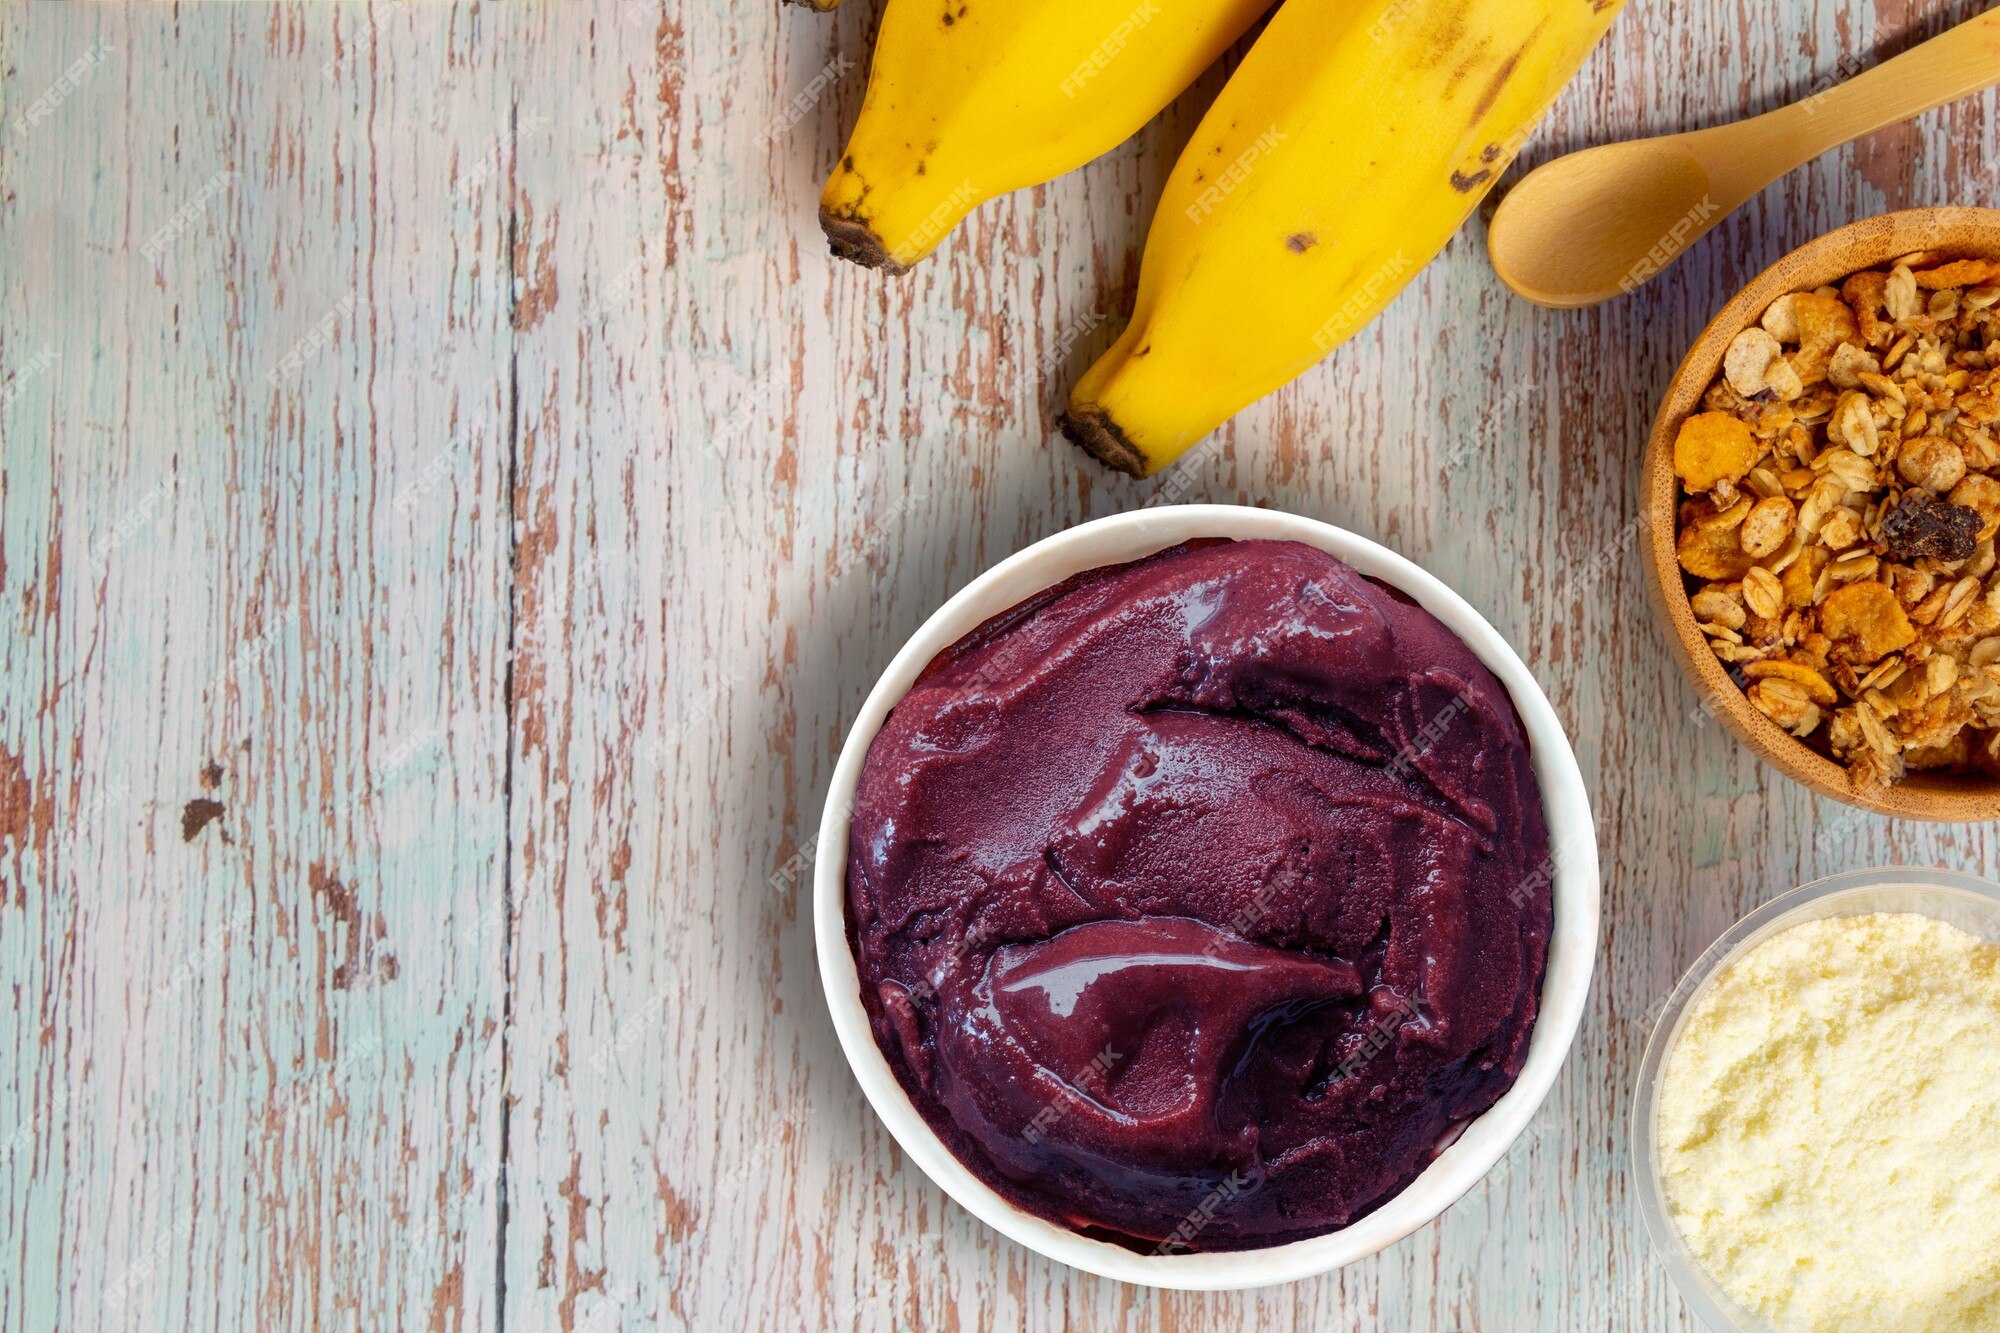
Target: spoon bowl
{"points": [[1592, 225], [1596, 224]]}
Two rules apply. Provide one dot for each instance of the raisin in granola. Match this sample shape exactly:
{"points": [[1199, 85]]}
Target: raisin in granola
{"points": [[1921, 525]]}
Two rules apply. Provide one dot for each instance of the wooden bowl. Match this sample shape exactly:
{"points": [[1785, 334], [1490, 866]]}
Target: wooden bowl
{"points": [[1963, 233]]}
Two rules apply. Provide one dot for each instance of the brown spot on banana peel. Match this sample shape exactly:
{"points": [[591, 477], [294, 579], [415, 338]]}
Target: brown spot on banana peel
{"points": [[1465, 182], [1504, 73], [1470, 62], [1093, 430], [1499, 81], [1301, 241], [1450, 32]]}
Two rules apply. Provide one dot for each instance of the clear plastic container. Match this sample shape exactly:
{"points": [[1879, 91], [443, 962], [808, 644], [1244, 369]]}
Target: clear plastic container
{"points": [[1970, 903]]}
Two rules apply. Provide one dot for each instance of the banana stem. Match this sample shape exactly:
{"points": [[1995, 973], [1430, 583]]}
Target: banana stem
{"points": [[1092, 429]]}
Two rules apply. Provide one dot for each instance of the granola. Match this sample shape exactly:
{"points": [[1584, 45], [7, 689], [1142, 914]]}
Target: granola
{"points": [[1840, 496]]}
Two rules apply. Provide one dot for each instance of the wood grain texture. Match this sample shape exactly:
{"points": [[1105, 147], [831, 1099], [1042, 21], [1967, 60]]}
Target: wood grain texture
{"points": [[436, 437], [256, 556]]}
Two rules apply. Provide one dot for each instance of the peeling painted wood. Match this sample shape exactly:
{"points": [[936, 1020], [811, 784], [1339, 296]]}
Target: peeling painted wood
{"points": [[253, 692], [450, 510]]}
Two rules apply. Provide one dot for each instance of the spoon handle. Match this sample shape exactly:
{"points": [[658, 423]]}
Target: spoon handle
{"points": [[1943, 69]]}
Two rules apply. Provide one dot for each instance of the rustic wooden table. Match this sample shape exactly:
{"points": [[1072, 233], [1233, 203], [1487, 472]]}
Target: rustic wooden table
{"points": [[451, 509]]}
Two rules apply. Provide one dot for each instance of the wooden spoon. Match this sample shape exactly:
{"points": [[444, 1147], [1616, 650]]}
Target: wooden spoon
{"points": [[1593, 224]]}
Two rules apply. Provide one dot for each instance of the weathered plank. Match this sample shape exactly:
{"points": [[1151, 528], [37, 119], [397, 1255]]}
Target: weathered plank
{"points": [[256, 557]]}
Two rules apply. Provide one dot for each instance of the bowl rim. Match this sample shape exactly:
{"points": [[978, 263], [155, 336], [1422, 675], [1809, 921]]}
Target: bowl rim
{"points": [[1840, 895], [1848, 249], [1572, 937]]}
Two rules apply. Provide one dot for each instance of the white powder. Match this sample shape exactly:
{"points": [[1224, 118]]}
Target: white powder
{"points": [[1829, 1127]]}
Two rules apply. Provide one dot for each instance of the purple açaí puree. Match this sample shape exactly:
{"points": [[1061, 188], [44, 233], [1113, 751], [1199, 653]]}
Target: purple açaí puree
{"points": [[1196, 900]]}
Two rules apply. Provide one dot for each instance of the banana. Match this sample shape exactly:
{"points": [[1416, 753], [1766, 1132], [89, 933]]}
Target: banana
{"points": [[969, 99], [1339, 158]]}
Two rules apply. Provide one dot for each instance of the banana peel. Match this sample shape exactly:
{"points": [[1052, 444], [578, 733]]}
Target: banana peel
{"points": [[1341, 156], [971, 99]]}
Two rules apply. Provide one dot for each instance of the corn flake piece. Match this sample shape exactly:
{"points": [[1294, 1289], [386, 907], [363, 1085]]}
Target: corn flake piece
{"points": [[1817, 686], [1802, 575], [1713, 447], [1868, 294], [1712, 552], [1979, 408], [1962, 273], [1865, 621]]}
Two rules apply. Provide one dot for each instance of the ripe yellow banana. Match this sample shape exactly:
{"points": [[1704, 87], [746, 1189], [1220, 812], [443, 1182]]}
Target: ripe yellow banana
{"points": [[969, 99], [1340, 157]]}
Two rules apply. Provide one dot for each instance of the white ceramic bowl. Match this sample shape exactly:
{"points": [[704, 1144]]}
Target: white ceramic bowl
{"points": [[1971, 904], [1572, 942]]}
